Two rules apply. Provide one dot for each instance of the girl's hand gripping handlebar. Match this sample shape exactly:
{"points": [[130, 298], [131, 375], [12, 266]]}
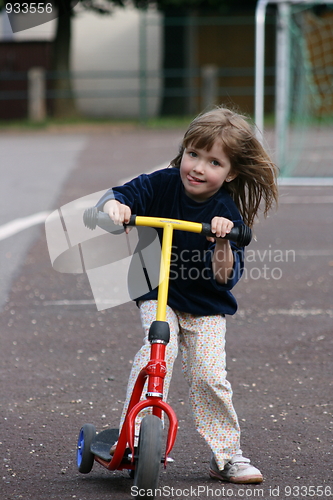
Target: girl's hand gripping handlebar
{"points": [[240, 235]]}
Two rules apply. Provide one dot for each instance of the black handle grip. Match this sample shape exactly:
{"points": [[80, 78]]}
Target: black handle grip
{"points": [[241, 235], [92, 218]]}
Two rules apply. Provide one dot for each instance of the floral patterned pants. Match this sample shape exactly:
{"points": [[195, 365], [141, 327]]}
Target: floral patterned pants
{"points": [[201, 340]]}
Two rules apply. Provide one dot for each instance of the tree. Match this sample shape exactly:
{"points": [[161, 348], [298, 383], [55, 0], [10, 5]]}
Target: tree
{"points": [[64, 102]]}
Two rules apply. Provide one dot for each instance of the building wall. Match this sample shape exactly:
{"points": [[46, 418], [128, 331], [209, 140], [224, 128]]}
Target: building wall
{"points": [[16, 58], [230, 46], [114, 56], [105, 57], [108, 47]]}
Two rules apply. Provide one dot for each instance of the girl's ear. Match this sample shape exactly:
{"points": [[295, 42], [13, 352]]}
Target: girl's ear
{"points": [[231, 177]]}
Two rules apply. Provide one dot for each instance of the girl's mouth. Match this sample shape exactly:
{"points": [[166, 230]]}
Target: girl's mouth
{"points": [[194, 180]]}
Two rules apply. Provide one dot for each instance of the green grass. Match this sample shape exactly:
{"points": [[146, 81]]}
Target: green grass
{"points": [[60, 122], [168, 122], [50, 123]]}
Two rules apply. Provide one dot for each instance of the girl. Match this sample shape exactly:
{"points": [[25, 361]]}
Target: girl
{"points": [[220, 176]]}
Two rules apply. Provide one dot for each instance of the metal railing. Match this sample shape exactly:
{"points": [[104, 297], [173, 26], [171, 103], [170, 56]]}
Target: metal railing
{"points": [[202, 85]]}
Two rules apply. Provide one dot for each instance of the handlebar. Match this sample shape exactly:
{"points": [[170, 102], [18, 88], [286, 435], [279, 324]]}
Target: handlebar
{"points": [[240, 235]]}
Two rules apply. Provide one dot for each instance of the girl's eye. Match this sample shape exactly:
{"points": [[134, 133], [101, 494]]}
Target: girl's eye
{"points": [[192, 154], [216, 163]]}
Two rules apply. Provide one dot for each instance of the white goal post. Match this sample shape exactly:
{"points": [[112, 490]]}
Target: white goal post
{"points": [[282, 69]]}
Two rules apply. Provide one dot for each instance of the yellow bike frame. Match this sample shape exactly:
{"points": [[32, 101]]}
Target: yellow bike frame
{"points": [[168, 226]]}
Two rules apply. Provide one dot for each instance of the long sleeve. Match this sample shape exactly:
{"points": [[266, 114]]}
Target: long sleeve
{"points": [[193, 287]]}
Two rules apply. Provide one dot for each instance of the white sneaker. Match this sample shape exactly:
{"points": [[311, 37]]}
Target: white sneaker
{"points": [[237, 470]]}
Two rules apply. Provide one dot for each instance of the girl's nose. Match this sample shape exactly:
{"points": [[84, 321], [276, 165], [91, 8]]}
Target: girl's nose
{"points": [[199, 166]]}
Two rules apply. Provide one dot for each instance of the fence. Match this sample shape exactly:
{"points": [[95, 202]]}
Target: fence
{"points": [[211, 70], [38, 95]]}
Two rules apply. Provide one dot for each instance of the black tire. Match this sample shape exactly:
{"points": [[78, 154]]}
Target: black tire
{"points": [[148, 459], [84, 457]]}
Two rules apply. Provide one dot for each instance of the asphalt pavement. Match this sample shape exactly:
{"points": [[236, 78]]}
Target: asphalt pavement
{"points": [[32, 170], [63, 363]]}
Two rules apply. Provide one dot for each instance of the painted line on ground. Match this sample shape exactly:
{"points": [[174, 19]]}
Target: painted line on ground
{"points": [[84, 302], [241, 312], [314, 253], [305, 181], [17, 225], [294, 312], [282, 181], [300, 312], [299, 200], [269, 312]]}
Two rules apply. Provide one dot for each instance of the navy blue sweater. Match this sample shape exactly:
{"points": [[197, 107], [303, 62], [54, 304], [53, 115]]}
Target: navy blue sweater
{"points": [[192, 288]]}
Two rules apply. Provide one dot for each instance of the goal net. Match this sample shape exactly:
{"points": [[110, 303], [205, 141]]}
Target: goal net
{"points": [[303, 135]]}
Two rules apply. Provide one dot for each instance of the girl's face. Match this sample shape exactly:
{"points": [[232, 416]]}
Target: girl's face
{"points": [[203, 172]]}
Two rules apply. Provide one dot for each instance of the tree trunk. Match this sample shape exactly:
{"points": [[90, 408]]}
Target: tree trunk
{"points": [[63, 102], [174, 101]]}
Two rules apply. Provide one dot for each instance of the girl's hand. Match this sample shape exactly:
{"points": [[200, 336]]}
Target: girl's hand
{"points": [[220, 227], [119, 213]]}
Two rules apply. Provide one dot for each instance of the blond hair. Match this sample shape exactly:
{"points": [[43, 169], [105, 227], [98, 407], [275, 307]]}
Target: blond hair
{"points": [[256, 178]]}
